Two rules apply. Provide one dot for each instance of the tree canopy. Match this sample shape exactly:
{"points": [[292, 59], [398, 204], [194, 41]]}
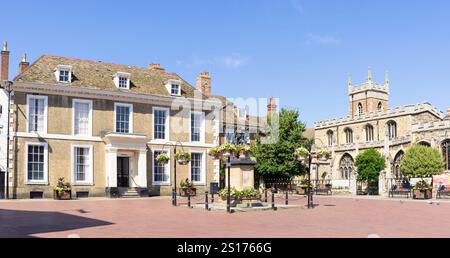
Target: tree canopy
{"points": [[421, 161], [276, 158], [370, 163]]}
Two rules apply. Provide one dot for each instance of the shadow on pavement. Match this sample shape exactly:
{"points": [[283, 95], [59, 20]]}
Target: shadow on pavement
{"points": [[23, 224]]}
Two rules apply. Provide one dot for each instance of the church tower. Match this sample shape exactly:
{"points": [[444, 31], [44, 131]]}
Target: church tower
{"points": [[368, 97]]}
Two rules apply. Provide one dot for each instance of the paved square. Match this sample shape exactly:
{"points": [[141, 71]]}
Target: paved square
{"points": [[155, 217]]}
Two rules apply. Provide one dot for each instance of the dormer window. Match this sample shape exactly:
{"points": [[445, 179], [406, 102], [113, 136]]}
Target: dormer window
{"points": [[64, 73], [174, 87], [122, 80], [175, 90]]}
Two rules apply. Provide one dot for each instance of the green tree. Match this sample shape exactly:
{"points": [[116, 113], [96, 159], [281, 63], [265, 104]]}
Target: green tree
{"points": [[421, 161], [370, 163], [276, 157]]}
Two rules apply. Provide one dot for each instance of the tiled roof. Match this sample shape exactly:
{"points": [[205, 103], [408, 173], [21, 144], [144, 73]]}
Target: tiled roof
{"points": [[96, 74]]}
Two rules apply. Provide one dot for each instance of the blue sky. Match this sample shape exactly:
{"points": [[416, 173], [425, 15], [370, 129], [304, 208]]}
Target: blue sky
{"points": [[297, 50]]}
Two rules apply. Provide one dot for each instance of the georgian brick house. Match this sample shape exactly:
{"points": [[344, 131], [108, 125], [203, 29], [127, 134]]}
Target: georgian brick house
{"points": [[101, 125]]}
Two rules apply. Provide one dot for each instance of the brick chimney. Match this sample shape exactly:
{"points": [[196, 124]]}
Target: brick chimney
{"points": [[24, 63], [156, 67], [204, 84], [448, 112], [5, 62], [271, 107]]}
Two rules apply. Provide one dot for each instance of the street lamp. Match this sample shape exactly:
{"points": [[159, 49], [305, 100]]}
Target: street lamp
{"points": [[7, 86], [174, 190], [304, 155]]}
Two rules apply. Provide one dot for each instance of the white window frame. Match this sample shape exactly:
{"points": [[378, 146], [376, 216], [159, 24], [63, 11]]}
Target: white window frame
{"points": [[202, 126], [85, 101], [119, 75], [202, 182], [36, 182], [45, 98], [90, 176], [171, 82], [167, 168], [116, 104], [60, 68], [167, 125]]}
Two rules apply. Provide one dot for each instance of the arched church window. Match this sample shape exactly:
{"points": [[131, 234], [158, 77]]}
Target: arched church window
{"points": [[446, 153], [369, 133], [346, 166], [392, 130], [360, 109], [424, 143], [348, 135], [396, 171], [330, 135], [380, 107]]}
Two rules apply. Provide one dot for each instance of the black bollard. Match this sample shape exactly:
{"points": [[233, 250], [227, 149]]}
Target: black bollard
{"points": [[206, 201], [189, 200], [173, 197], [212, 197], [287, 197], [273, 202], [265, 195]]}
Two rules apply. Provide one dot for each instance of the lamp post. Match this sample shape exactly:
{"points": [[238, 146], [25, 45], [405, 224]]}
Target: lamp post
{"points": [[7, 86], [174, 189], [229, 184], [308, 155]]}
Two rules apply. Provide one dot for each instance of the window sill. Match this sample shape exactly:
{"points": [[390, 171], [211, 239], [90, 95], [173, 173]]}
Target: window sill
{"points": [[37, 183], [82, 184], [161, 184]]}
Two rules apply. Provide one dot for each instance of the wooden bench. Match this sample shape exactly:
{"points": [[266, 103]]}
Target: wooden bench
{"points": [[400, 190], [324, 189], [443, 191]]}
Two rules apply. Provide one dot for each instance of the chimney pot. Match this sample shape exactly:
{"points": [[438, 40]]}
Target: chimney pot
{"points": [[271, 107], [203, 84], [24, 64], [156, 67], [5, 62]]}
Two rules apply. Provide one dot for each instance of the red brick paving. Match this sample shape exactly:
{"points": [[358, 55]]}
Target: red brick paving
{"points": [[155, 217]]}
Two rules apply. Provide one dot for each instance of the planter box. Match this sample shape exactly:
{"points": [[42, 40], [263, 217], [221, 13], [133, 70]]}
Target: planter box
{"points": [[423, 194], [64, 195], [188, 192]]}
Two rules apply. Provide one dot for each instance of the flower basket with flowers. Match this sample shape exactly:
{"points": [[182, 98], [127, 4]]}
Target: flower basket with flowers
{"points": [[62, 190], [187, 188], [302, 154], [323, 155], [183, 158], [422, 190], [162, 158]]}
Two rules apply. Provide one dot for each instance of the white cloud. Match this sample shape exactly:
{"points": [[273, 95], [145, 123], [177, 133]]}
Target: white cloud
{"points": [[232, 61], [321, 40], [298, 5]]}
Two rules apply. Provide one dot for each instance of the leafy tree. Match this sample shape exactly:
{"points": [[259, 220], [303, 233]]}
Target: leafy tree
{"points": [[276, 157], [421, 161], [370, 163]]}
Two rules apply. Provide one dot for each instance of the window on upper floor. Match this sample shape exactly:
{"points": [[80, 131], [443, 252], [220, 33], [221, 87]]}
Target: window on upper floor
{"points": [[360, 109], [122, 80], [380, 107], [37, 113], [348, 136], [175, 90], [82, 117], [160, 123], [369, 133], [63, 73], [123, 83], [123, 118], [230, 135], [197, 126], [392, 130], [330, 136]]}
